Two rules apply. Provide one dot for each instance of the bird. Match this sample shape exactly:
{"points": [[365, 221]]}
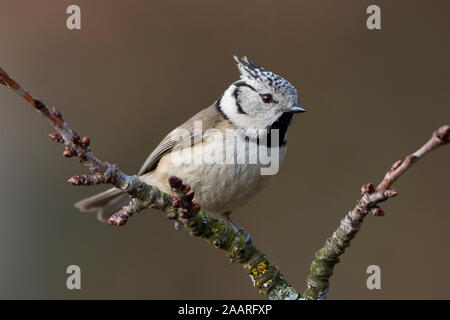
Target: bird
{"points": [[260, 104]]}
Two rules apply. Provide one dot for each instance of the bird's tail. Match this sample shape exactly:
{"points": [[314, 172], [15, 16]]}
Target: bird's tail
{"points": [[105, 203]]}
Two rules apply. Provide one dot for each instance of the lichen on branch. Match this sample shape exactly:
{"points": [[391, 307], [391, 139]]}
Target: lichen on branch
{"points": [[328, 256]]}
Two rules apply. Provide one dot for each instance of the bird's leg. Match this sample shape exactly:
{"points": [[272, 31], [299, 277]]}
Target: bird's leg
{"points": [[248, 237], [231, 223]]}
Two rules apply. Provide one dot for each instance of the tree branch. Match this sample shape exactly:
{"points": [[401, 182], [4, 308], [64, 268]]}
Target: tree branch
{"points": [[264, 275], [328, 256]]}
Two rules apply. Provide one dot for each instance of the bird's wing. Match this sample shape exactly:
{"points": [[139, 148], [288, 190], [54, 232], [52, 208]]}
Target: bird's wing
{"points": [[209, 117], [152, 160]]}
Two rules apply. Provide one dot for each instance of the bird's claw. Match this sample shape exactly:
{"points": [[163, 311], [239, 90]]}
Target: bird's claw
{"points": [[248, 237]]}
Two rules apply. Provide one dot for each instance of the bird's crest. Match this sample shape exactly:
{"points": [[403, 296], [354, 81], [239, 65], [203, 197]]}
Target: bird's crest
{"points": [[252, 72]]}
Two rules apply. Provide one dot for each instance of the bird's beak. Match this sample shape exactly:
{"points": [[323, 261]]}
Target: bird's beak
{"points": [[296, 108]]}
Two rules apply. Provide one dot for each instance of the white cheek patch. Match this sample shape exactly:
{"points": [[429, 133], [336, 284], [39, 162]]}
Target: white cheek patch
{"points": [[230, 109], [258, 120]]}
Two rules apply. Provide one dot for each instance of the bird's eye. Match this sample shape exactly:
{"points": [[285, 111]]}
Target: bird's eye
{"points": [[267, 98]]}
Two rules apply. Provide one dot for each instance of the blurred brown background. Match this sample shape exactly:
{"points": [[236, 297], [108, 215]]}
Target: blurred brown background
{"points": [[139, 68]]}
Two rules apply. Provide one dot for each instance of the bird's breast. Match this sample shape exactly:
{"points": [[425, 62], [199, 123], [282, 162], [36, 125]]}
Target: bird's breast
{"points": [[223, 179]]}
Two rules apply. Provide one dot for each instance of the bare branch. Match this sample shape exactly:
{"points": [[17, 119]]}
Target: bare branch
{"points": [[328, 256], [264, 275], [75, 146]]}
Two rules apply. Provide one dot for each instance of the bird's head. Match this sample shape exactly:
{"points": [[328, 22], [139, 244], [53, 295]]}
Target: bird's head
{"points": [[259, 99]]}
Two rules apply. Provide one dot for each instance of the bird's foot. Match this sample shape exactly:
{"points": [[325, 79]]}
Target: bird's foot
{"points": [[248, 237], [239, 231]]}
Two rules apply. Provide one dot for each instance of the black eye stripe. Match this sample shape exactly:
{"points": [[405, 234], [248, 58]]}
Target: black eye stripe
{"points": [[235, 94], [244, 84], [238, 85]]}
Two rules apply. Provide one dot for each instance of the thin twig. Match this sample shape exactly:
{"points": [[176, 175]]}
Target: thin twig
{"points": [[102, 172], [328, 256]]}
